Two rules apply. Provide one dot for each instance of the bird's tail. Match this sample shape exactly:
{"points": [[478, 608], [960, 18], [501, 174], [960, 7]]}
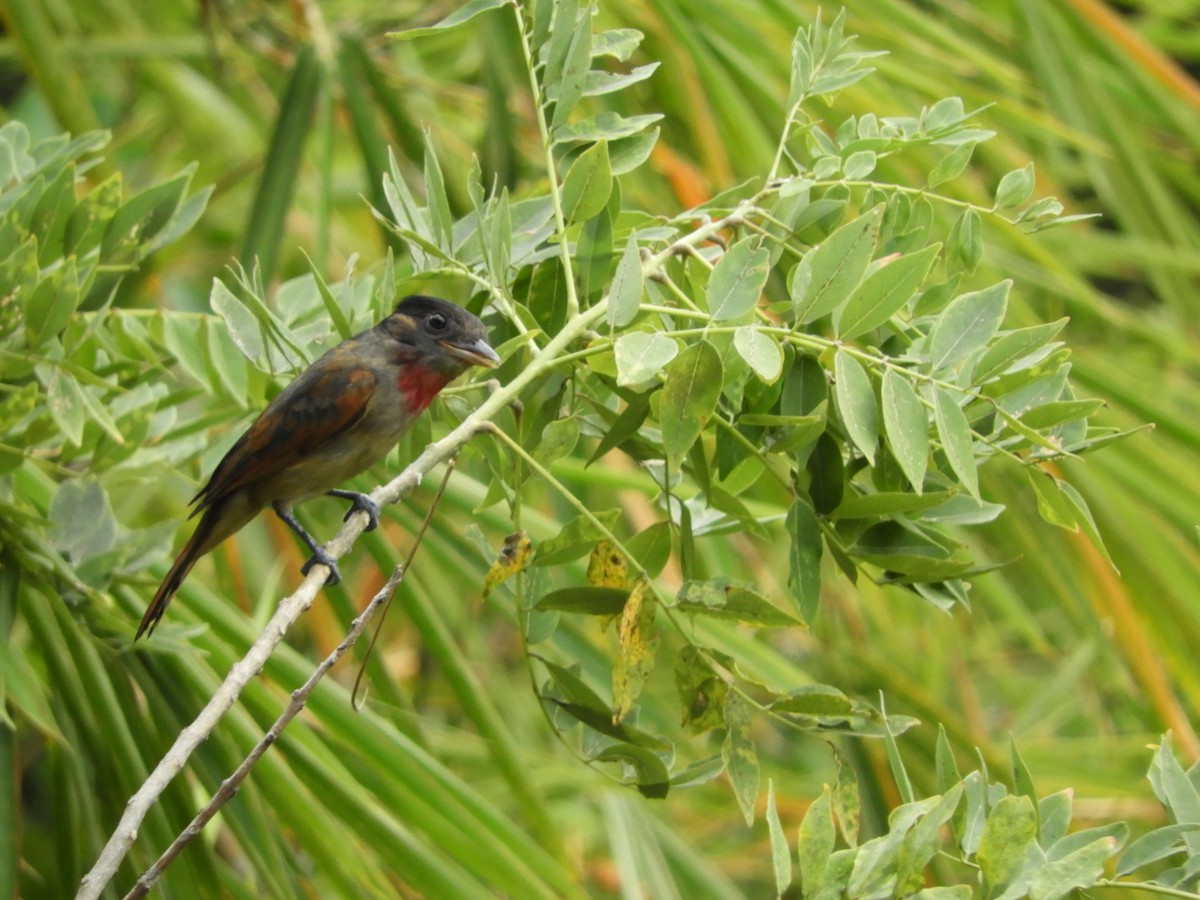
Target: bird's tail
{"points": [[206, 536]]}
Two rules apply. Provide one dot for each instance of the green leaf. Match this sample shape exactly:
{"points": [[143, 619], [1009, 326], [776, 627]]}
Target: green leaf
{"points": [[559, 438], [627, 154], [1053, 505], [142, 217], [619, 43], [599, 82], [555, 51], [828, 274], [440, 219], [826, 470], [945, 768], [952, 164], [1015, 188], [588, 185], [740, 756], [921, 843], [964, 248], [761, 352], [52, 304], [815, 700], [1022, 780], [625, 292], [244, 329], [594, 249], [781, 854], [967, 324], [586, 599], [1010, 827], [859, 165], [333, 307], [576, 538], [737, 280], [604, 126], [653, 780], [82, 524], [651, 547], [463, 14], [950, 892], [64, 400], [641, 355], [804, 559], [1158, 844], [856, 403], [701, 691], [721, 599], [815, 844], [1085, 520], [883, 293], [907, 427], [1080, 869], [885, 504], [567, 89], [955, 434], [1059, 412], [1174, 788], [689, 398], [1054, 814]]}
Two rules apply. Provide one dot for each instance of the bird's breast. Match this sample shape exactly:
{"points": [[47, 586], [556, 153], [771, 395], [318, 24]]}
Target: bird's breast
{"points": [[418, 385]]}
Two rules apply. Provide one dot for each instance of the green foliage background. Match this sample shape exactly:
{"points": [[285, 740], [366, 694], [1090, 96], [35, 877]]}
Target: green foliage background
{"points": [[451, 781]]}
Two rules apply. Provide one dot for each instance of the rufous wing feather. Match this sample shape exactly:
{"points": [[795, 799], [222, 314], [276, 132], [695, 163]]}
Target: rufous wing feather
{"points": [[310, 411]]}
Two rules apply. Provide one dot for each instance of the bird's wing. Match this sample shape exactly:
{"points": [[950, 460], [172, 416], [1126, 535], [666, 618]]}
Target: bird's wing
{"points": [[328, 399]]}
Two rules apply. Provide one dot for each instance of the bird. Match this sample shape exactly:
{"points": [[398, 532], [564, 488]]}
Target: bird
{"points": [[337, 418]]}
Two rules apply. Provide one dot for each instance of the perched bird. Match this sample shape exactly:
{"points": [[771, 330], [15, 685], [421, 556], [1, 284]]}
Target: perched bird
{"points": [[337, 418]]}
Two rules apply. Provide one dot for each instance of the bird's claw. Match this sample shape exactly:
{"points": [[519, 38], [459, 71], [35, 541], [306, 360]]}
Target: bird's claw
{"points": [[322, 558], [360, 502]]}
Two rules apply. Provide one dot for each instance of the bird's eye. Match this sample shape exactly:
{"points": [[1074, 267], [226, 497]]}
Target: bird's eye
{"points": [[436, 322]]}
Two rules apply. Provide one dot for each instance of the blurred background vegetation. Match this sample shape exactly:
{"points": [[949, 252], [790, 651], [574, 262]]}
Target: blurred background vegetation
{"points": [[288, 111]]}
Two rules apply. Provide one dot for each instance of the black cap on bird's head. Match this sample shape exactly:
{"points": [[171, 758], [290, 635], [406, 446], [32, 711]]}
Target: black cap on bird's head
{"points": [[430, 325]]}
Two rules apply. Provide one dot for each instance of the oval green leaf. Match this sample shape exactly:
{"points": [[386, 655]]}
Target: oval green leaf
{"points": [[760, 351], [967, 324], [737, 280], [689, 398], [907, 427], [856, 403], [883, 293], [588, 184], [955, 434], [640, 356]]}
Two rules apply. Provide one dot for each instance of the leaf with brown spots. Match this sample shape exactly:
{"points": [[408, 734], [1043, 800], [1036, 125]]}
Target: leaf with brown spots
{"points": [[607, 566], [514, 557], [635, 658]]}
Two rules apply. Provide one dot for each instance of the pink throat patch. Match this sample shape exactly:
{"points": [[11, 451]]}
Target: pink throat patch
{"points": [[419, 385]]}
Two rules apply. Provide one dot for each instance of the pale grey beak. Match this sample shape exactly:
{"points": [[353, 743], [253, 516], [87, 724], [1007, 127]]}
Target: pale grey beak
{"points": [[475, 353]]}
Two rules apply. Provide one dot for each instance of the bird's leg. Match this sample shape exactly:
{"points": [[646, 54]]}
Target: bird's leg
{"points": [[319, 554], [360, 501]]}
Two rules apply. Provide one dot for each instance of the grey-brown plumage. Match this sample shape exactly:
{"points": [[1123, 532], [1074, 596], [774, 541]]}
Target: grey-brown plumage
{"points": [[337, 418]]}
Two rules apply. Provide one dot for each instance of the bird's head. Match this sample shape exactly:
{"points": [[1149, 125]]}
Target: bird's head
{"points": [[439, 336]]}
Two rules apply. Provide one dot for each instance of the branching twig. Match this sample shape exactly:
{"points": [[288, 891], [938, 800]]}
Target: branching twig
{"points": [[230, 785]]}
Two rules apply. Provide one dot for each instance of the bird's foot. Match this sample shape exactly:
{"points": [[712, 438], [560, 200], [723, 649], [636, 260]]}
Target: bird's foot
{"points": [[321, 557], [359, 501]]}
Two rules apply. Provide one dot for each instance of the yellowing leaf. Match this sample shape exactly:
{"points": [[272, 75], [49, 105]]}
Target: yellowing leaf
{"points": [[607, 566], [635, 657], [514, 556]]}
